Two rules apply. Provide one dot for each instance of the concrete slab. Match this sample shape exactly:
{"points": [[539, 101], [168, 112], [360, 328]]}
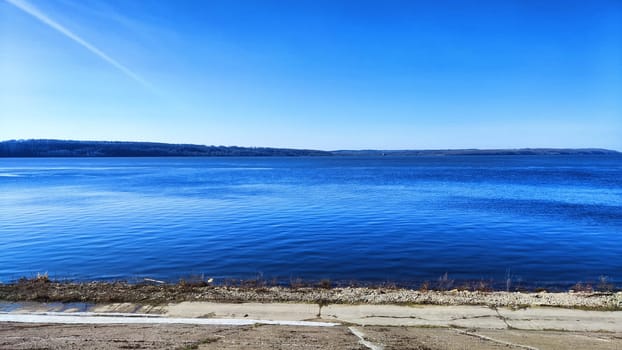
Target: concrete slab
{"points": [[563, 319], [31, 306], [555, 340], [472, 317], [435, 316], [128, 308], [271, 311]]}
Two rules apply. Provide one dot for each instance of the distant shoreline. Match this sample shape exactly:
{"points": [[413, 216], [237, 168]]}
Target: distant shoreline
{"points": [[42, 148]]}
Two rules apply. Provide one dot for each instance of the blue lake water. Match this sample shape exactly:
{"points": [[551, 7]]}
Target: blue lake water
{"points": [[541, 220]]}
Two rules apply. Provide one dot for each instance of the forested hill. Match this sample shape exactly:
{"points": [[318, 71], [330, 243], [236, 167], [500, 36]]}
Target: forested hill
{"points": [[61, 148], [64, 148]]}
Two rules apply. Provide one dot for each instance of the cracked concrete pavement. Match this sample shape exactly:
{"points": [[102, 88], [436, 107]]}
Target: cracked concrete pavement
{"points": [[537, 318], [359, 327]]}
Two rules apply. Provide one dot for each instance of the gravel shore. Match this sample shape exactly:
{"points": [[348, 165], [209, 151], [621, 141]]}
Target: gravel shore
{"points": [[105, 292]]}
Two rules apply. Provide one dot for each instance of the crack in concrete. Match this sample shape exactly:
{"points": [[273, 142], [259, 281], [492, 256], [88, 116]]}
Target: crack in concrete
{"points": [[592, 338], [472, 317], [364, 342], [502, 342], [509, 326], [398, 317], [429, 320]]}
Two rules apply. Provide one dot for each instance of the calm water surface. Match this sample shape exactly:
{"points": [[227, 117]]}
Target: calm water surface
{"points": [[540, 220]]}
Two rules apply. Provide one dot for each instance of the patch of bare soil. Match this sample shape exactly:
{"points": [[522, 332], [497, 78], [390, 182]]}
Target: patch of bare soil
{"points": [[270, 337], [182, 337], [409, 338], [412, 338], [16, 336], [558, 340], [57, 336]]}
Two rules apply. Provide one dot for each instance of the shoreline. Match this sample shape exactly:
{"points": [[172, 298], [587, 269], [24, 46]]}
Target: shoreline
{"points": [[223, 326], [38, 312], [44, 290]]}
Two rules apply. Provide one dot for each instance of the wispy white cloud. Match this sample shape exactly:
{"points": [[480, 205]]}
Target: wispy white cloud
{"points": [[141, 28], [35, 12]]}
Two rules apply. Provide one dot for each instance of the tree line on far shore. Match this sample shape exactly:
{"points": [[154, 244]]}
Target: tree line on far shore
{"points": [[61, 148], [70, 148]]}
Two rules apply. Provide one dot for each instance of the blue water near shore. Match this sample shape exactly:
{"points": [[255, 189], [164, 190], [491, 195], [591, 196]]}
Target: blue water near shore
{"points": [[541, 220]]}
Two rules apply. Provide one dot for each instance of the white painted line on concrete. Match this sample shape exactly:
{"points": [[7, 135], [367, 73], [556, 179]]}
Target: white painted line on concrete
{"points": [[364, 342], [77, 318], [83, 314]]}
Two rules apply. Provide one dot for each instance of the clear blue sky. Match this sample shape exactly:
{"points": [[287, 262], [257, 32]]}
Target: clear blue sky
{"points": [[314, 74]]}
